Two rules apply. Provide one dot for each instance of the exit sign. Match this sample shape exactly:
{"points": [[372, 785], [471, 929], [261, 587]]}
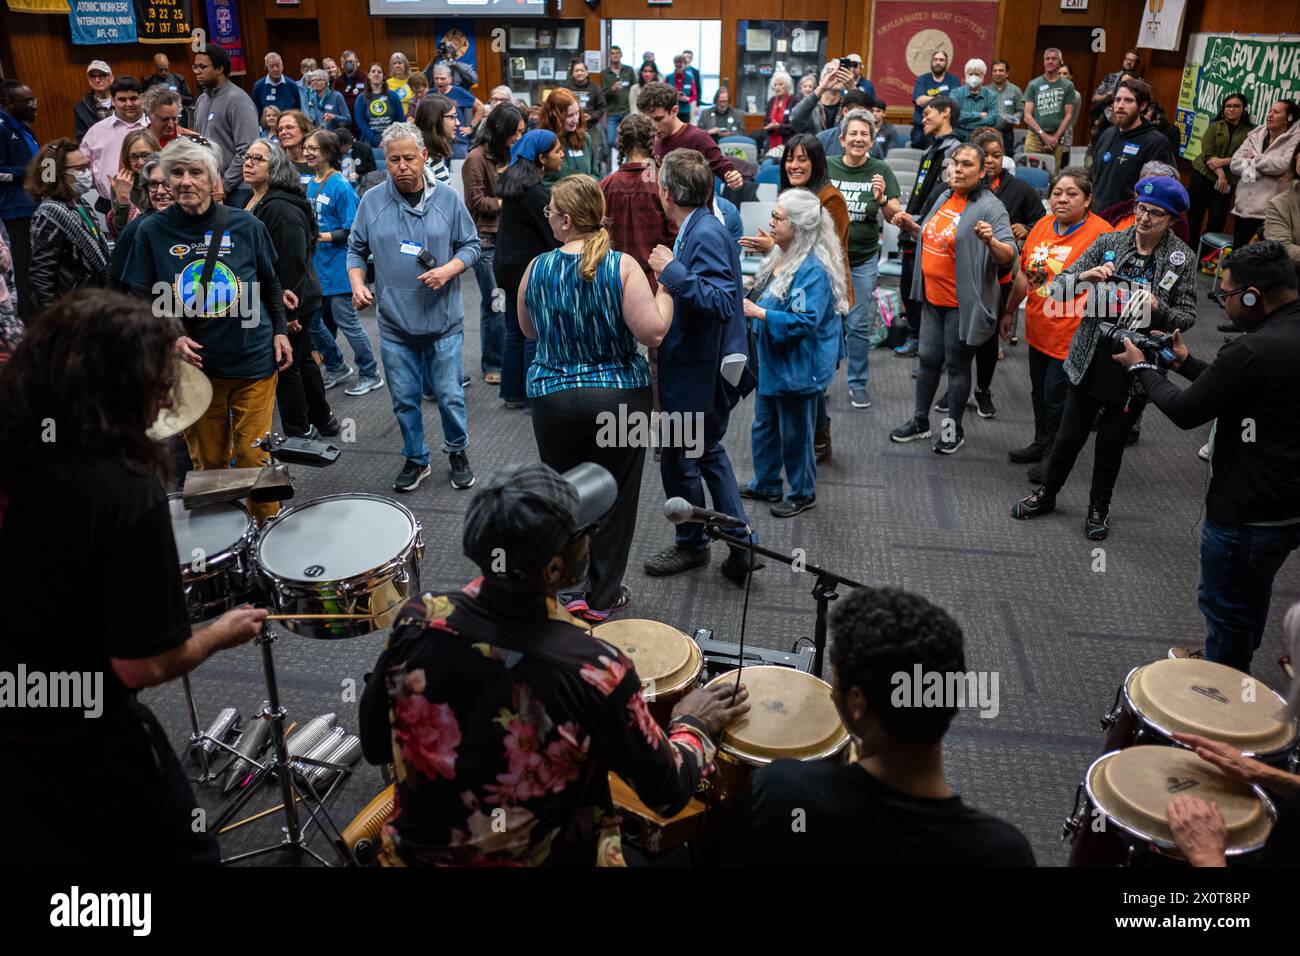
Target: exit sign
{"points": [[1074, 4]]}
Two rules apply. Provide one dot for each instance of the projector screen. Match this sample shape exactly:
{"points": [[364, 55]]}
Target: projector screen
{"points": [[460, 8]]}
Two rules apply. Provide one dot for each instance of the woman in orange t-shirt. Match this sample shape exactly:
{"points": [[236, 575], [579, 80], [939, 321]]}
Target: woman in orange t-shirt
{"points": [[1054, 243], [964, 239]]}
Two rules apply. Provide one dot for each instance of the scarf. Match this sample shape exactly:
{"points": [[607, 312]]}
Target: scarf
{"points": [[88, 245], [532, 144]]}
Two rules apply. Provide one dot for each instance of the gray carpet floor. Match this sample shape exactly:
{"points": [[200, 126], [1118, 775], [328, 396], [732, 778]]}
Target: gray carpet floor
{"points": [[1060, 634]]}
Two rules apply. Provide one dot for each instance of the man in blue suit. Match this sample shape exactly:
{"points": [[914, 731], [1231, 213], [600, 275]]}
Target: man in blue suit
{"points": [[702, 273]]}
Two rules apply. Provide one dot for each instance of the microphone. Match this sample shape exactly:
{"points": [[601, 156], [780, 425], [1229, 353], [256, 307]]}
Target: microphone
{"points": [[681, 511]]}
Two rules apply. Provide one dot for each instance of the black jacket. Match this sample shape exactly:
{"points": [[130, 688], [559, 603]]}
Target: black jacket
{"points": [[1022, 202], [86, 114], [290, 220], [523, 233], [1118, 158], [930, 182], [1253, 390], [58, 265]]}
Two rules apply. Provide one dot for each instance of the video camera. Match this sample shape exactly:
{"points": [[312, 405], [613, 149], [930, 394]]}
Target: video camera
{"points": [[1158, 347]]}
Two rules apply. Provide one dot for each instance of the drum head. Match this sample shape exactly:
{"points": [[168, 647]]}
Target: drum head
{"points": [[335, 538], [791, 714], [662, 654], [1134, 786], [212, 530], [1201, 697]]}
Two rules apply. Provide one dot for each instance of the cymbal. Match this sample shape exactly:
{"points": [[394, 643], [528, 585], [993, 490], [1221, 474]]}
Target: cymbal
{"points": [[191, 396]]}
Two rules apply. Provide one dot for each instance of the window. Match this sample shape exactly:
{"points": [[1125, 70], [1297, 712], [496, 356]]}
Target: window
{"points": [[667, 38]]}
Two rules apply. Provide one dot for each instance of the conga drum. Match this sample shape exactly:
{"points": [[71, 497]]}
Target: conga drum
{"points": [[667, 661], [1201, 697], [791, 715], [1121, 810]]}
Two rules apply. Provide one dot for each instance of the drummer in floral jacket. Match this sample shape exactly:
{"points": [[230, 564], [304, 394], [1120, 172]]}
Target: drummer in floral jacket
{"points": [[504, 715]]}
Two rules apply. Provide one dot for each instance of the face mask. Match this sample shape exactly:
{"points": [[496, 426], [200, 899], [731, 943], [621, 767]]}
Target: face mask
{"points": [[82, 182], [975, 81]]}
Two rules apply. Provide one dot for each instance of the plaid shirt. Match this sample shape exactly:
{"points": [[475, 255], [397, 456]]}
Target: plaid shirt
{"points": [[635, 220]]}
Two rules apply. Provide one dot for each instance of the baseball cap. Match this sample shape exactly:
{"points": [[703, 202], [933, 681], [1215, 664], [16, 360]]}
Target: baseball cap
{"points": [[524, 515], [99, 65]]}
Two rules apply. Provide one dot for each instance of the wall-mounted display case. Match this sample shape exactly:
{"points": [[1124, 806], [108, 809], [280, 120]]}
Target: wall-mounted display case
{"points": [[797, 47]]}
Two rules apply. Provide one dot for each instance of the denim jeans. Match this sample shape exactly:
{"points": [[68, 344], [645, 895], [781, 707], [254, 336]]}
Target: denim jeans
{"points": [[857, 325], [407, 368], [491, 327], [782, 435], [611, 129], [516, 356], [340, 309], [1238, 564]]}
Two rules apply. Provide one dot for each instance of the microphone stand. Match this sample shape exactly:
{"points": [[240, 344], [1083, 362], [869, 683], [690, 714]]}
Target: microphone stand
{"points": [[823, 590]]}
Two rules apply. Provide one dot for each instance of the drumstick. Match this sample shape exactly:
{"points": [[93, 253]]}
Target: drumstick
{"points": [[319, 617], [255, 816]]}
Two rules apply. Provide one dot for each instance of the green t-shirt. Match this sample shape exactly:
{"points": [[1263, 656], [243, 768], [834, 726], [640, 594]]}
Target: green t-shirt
{"points": [[1050, 100], [854, 183]]}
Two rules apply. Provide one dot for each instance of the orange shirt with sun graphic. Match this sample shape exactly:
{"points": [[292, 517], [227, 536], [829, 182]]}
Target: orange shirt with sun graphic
{"points": [[1047, 253]]}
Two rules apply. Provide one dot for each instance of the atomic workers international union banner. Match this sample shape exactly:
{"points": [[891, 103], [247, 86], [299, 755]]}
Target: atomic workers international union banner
{"points": [[102, 21], [223, 21], [906, 33]]}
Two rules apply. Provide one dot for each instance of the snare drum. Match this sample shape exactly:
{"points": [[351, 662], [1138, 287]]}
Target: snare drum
{"points": [[1124, 816], [1200, 697], [667, 661], [214, 545], [341, 554]]}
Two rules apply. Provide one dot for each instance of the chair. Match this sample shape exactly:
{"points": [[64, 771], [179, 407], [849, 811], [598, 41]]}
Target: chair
{"points": [[891, 263], [902, 164], [737, 138], [906, 152], [905, 183], [755, 216], [1078, 155], [457, 179], [1034, 176], [1043, 161], [744, 148], [1215, 240], [769, 173], [767, 192]]}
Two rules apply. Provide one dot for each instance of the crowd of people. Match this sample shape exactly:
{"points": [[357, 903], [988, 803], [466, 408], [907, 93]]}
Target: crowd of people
{"points": [[259, 227]]}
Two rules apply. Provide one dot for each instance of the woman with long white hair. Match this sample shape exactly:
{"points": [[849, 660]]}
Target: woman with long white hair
{"points": [[801, 292]]}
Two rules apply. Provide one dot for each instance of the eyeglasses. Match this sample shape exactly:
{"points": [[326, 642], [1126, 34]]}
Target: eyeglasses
{"points": [[451, 116], [255, 161], [776, 218], [76, 167], [1143, 211], [1221, 297], [156, 186], [145, 155]]}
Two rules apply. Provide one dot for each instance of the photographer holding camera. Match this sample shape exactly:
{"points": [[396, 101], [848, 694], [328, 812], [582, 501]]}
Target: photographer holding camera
{"points": [[1143, 269], [462, 73], [1252, 508]]}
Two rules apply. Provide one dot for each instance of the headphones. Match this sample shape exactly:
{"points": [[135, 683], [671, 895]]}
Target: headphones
{"points": [[1248, 299]]}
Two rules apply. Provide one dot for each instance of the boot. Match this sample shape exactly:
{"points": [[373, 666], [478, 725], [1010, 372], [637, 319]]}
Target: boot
{"points": [[822, 442]]}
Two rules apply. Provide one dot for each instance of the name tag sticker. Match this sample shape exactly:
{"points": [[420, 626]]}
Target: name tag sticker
{"points": [[410, 248], [323, 199], [1168, 281], [1131, 149]]}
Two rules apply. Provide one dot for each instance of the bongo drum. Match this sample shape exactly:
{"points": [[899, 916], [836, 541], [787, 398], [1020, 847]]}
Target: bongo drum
{"points": [[667, 661], [791, 715], [1121, 809], [1200, 697]]}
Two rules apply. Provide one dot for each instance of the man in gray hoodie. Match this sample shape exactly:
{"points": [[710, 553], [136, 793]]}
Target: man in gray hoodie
{"points": [[422, 239]]}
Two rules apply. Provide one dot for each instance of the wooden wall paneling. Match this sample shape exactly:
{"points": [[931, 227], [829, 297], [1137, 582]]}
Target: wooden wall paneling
{"points": [[1050, 14], [305, 9]]}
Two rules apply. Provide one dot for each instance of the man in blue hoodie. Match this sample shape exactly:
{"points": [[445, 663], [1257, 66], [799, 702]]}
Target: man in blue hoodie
{"points": [[17, 148], [422, 239]]}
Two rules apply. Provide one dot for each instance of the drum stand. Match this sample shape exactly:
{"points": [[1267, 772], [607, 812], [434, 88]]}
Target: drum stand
{"points": [[823, 590], [294, 831], [199, 739]]}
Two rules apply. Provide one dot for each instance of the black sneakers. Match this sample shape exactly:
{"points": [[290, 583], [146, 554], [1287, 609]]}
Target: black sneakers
{"points": [[674, 560], [1095, 524], [789, 507], [462, 476], [1041, 502], [753, 494], [911, 430], [948, 446], [1026, 456], [984, 404], [736, 568], [410, 476]]}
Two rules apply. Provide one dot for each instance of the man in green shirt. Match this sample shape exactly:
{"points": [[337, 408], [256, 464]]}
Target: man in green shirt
{"points": [[869, 187], [617, 82], [1049, 108]]}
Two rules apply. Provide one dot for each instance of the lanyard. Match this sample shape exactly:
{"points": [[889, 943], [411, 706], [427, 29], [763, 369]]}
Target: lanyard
{"points": [[94, 230]]}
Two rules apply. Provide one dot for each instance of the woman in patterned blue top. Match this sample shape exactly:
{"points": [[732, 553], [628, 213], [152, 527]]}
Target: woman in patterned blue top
{"points": [[587, 307], [796, 321]]}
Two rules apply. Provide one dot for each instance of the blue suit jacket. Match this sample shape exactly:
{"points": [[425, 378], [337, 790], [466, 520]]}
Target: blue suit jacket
{"points": [[708, 320]]}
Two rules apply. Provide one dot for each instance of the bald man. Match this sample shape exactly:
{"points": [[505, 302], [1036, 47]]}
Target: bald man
{"points": [[162, 75]]}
